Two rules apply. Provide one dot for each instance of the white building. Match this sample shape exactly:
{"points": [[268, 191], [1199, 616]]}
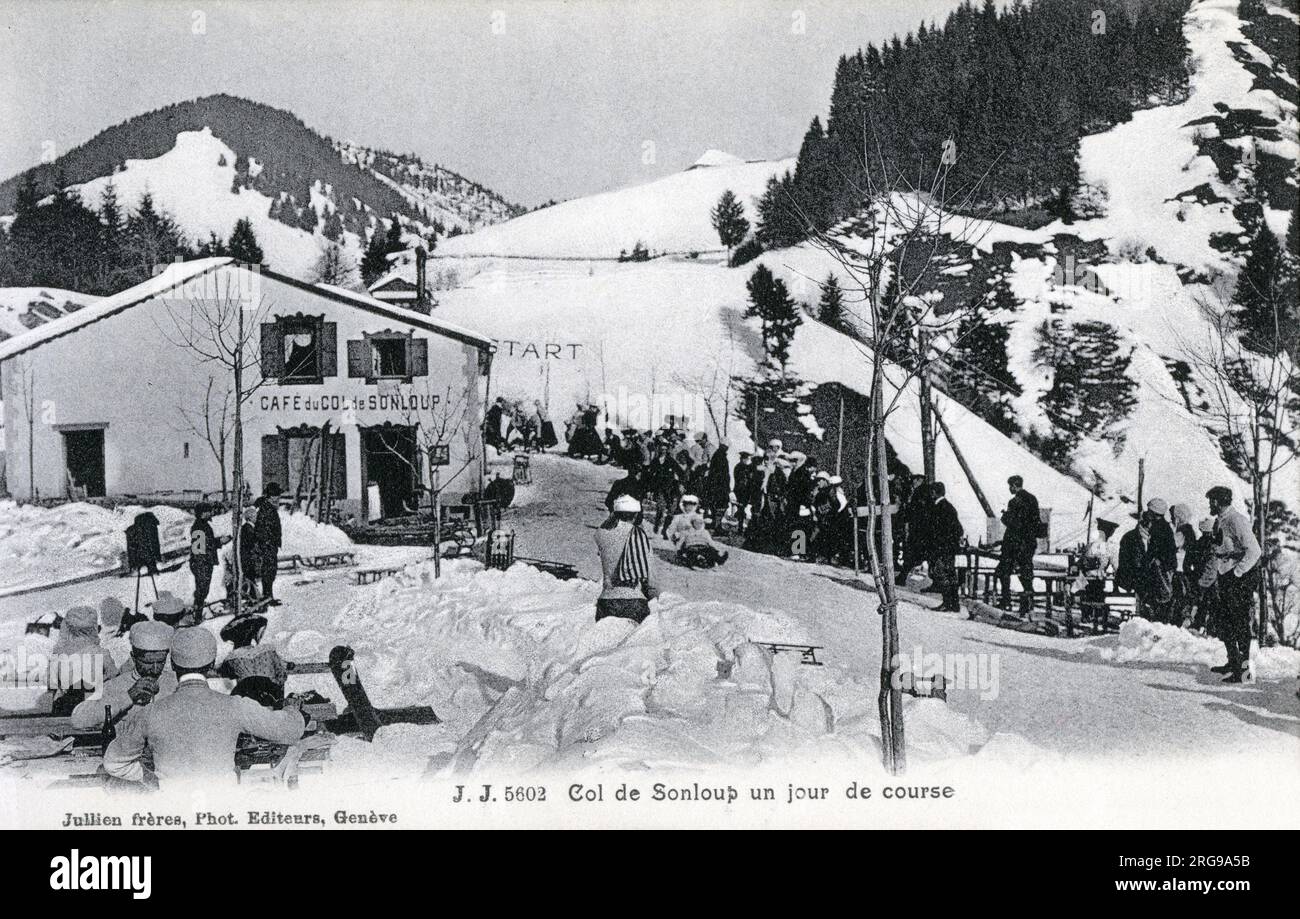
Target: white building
{"points": [[123, 397]]}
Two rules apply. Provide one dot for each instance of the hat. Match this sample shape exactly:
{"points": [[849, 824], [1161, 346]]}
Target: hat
{"points": [[81, 618], [796, 455], [273, 489], [823, 476], [168, 608], [1158, 506], [242, 630], [690, 499], [151, 636], [836, 480], [111, 612], [626, 504], [193, 648], [744, 453], [1206, 525]]}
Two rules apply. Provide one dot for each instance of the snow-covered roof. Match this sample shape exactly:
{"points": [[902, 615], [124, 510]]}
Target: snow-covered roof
{"points": [[180, 273], [401, 314], [173, 276]]}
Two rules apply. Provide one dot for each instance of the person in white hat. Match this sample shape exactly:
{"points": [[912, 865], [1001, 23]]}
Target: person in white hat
{"points": [[194, 731], [142, 679], [684, 520], [626, 563]]}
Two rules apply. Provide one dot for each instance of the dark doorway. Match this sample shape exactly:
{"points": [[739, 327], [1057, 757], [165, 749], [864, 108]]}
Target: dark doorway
{"points": [[389, 461], [84, 452]]}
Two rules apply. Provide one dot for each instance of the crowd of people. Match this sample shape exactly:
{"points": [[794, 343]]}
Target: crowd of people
{"points": [[1203, 577], [260, 539], [518, 425]]}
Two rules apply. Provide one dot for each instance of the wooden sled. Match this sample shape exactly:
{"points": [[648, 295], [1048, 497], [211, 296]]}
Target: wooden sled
{"points": [[980, 611], [559, 570], [328, 560], [374, 575], [807, 653]]}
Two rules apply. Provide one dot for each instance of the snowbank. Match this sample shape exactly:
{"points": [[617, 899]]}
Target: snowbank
{"points": [[46, 545], [525, 679], [1148, 642], [40, 545]]}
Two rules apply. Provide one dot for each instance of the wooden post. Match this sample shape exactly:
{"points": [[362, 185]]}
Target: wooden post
{"points": [[1142, 474], [437, 523], [927, 421], [965, 467], [839, 444]]}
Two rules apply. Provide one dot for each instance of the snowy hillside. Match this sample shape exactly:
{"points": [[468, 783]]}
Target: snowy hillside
{"points": [[194, 182], [668, 215], [23, 308], [1119, 289], [211, 161], [436, 192]]}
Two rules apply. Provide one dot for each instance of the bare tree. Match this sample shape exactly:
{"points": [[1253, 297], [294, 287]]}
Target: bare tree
{"points": [[214, 422], [889, 261], [218, 320], [23, 382], [716, 384], [1253, 403]]}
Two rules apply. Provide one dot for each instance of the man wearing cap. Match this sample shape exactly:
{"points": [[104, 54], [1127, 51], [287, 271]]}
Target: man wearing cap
{"points": [[194, 731], [1235, 560], [143, 678], [267, 531]]}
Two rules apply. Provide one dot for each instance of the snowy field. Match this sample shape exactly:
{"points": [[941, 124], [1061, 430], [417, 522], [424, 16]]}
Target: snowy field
{"points": [[530, 688]]}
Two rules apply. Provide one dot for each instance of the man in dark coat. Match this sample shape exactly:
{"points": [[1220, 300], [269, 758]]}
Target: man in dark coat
{"points": [[203, 554], [717, 484], [743, 484], [267, 532], [501, 490], [1019, 542], [630, 484], [944, 535], [916, 522]]}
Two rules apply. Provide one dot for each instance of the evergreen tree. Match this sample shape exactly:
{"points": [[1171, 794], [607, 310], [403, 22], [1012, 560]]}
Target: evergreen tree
{"points": [[374, 262], [307, 218], [779, 224], [728, 217], [243, 246], [393, 240], [153, 238], [1256, 303], [333, 229], [830, 309], [770, 301]]}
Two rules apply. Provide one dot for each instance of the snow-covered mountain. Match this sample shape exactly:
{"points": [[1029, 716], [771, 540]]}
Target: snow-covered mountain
{"points": [[437, 193], [664, 216], [1116, 295], [212, 161]]}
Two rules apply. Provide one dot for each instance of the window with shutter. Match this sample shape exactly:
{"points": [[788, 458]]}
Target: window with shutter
{"points": [[272, 351], [329, 349], [358, 359], [419, 357]]}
